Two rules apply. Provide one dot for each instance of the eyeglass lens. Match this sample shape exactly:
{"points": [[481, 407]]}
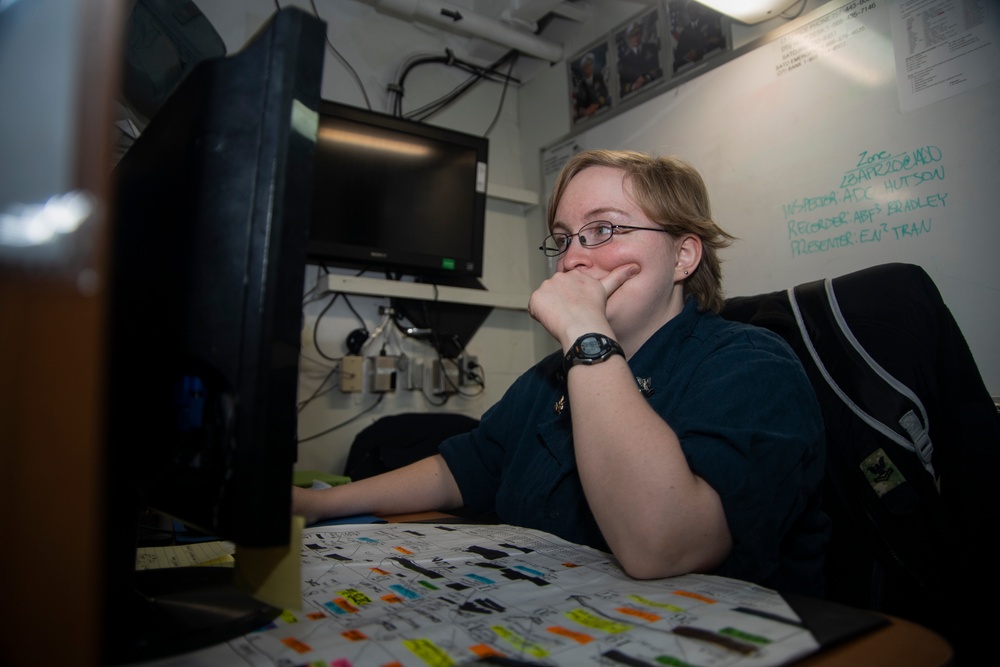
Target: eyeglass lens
{"points": [[591, 234]]}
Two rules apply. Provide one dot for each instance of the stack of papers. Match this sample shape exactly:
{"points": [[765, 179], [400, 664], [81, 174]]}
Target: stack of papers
{"points": [[218, 554], [440, 595]]}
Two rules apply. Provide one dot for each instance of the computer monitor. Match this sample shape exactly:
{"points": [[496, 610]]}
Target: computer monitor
{"points": [[398, 196], [208, 253]]}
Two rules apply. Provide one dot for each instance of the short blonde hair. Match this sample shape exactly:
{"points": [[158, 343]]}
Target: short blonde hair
{"points": [[672, 194]]}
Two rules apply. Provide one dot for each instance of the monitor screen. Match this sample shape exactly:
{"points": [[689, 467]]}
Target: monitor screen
{"points": [[399, 196], [206, 272]]}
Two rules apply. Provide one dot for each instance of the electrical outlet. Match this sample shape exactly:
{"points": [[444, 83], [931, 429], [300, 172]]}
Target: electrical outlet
{"points": [[452, 378], [469, 366], [436, 384], [414, 373], [444, 377], [432, 377], [352, 374], [383, 374]]}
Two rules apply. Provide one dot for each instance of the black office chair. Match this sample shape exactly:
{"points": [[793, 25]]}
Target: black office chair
{"points": [[913, 495], [397, 440]]}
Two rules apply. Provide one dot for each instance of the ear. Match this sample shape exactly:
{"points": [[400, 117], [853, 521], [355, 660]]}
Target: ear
{"points": [[688, 256]]}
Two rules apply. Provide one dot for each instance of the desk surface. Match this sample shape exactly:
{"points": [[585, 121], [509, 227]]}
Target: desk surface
{"points": [[901, 642]]}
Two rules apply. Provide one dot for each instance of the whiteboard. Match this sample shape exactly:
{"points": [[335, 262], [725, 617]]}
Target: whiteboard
{"points": [[813, 162]]}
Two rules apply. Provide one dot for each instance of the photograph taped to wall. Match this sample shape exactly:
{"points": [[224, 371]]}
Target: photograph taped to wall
{"points": [[696, 33], [589, 76], [640, 54]]}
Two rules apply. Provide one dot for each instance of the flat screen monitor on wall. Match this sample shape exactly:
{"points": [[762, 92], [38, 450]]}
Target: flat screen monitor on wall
{"points": [[397, 196]]}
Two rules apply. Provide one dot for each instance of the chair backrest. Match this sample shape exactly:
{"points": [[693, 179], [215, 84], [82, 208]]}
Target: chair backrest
{"points": [[398, 440], [910, 536]]}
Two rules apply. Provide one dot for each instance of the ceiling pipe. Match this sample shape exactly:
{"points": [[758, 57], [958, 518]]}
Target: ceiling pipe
{"points": [[466, 22]]}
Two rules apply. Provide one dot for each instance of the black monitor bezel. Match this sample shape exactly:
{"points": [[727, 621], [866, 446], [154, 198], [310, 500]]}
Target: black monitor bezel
{"points": [[331, 252]]}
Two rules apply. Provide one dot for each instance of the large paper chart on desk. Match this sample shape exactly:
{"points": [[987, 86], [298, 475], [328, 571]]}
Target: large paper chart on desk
{"points": [[421, 594]]}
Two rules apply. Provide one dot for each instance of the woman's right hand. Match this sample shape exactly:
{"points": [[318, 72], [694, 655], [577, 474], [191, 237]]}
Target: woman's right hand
{"points": [[572, 303]]}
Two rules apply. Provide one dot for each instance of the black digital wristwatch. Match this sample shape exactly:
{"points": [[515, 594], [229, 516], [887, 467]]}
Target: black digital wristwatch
{"points": [[591, 348]]}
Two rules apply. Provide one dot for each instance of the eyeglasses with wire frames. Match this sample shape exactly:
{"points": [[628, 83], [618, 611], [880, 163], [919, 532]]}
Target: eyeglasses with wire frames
{"points": [[591, 235]]}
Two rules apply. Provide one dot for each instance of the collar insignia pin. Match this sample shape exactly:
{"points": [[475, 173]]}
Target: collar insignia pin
{"points": [[560, 405], [645, 386]]}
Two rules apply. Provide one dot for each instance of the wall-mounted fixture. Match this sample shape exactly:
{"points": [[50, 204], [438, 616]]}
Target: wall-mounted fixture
{"points": [[466, 22]]}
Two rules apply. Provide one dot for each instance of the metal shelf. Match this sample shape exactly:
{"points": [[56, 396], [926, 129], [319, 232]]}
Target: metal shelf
{"points": [[427, 292]]}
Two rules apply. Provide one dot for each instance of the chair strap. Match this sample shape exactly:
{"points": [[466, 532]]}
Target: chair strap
{"points": [[855, 376]]}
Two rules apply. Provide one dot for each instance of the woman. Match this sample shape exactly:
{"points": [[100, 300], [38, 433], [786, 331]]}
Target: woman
{"points": [[676, 440]]}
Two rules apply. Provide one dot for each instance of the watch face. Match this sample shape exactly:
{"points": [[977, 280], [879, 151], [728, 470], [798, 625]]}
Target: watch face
{"points": [[590, 347]]}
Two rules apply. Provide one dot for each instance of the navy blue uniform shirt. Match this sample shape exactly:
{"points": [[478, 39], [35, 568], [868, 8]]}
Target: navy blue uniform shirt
{"points": [[748, 422]]}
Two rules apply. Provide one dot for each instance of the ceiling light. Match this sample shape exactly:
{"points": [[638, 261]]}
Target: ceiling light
{"points": [[750, 11]]}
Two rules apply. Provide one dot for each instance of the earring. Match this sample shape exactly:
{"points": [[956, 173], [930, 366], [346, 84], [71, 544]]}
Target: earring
{"points": [[685, 272]]}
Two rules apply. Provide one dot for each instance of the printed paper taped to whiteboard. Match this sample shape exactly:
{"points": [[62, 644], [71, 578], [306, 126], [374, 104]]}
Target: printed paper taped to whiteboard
{"points": [[943, 48]]}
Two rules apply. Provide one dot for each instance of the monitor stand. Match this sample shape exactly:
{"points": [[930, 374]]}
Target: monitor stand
{"points": [[175, 610], [156, 613]]}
